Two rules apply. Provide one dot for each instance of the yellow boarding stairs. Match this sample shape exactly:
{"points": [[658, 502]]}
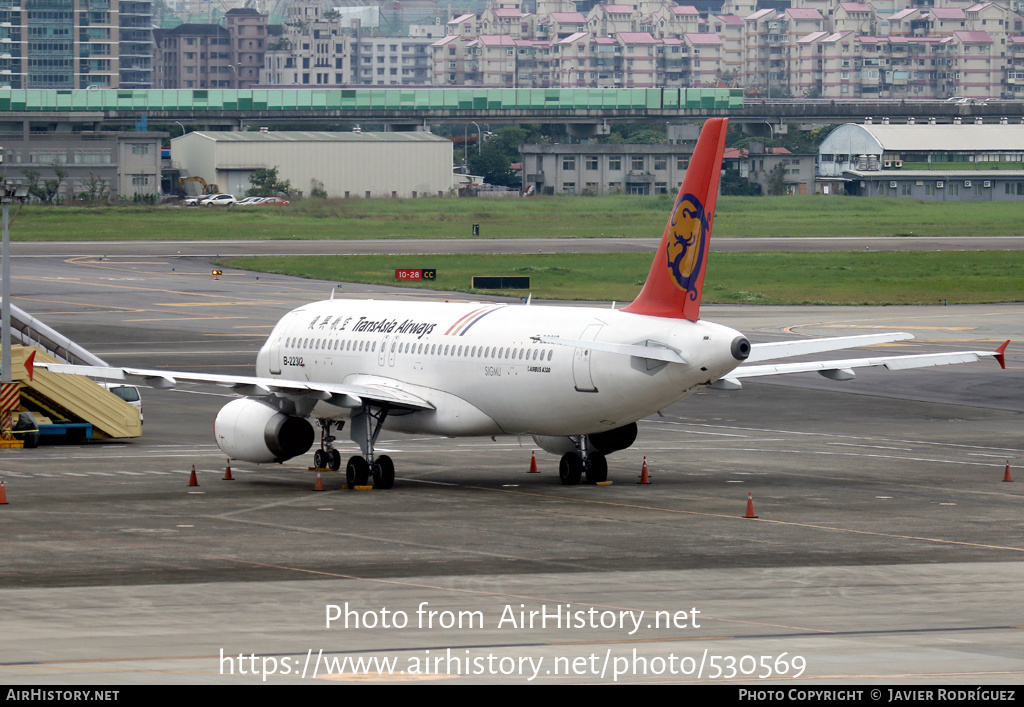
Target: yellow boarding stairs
{"points": [[72, 398]]}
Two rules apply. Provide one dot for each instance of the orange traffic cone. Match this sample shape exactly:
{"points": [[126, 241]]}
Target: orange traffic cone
{"points": [[644, 477], [750, 507], [319, 483], [533, 463], [3, 494], [1006, 476], [227, 472], [192, 479]]}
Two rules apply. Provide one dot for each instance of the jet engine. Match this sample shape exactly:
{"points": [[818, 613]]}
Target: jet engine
{"points": [[252, 431], [602, 442], [614, 440]]}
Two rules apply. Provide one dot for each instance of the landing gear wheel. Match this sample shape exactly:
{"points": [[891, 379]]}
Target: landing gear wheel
{"points": [[320, 459], [597, 470], [335, 459], [570, 469], [357, 473], [383, 472]]}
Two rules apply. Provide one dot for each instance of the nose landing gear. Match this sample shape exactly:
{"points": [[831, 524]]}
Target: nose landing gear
{"points": [[327, 457]]}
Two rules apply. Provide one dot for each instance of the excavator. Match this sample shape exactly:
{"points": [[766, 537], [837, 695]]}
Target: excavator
{"points": [[195, 189]]}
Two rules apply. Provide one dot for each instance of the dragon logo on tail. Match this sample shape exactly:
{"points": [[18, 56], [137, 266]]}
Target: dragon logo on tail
{"points": [[685, 247]]}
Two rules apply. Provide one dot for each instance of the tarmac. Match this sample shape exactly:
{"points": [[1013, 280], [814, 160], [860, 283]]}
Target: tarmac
{"points": [[887, 547]]}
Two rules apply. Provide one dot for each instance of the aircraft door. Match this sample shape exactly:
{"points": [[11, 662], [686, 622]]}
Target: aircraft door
{"points": [[275, 352], [382, 356], [581, 361], [276, 343], [391, 352]]}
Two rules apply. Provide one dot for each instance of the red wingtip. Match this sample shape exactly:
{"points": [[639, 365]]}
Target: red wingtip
{"points": [[1001, 353], [30, 365]]}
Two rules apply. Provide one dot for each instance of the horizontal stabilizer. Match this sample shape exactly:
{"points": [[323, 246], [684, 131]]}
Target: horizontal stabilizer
{"points": [[653, 352], [784, 349]]}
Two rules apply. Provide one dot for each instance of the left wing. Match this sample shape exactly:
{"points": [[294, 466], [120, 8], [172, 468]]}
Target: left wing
{"points": [[337, 394], [843, 369]]}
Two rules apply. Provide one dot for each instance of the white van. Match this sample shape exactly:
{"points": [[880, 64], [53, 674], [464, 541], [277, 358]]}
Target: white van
{"points": [[127, 393]]}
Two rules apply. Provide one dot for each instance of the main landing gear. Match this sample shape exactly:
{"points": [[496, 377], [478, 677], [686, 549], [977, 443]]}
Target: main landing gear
{"points": [[584, 460], [366, 425]]}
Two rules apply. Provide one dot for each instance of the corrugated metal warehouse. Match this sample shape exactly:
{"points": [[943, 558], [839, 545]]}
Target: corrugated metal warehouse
{"points": [[924, 161], [408, 164]]}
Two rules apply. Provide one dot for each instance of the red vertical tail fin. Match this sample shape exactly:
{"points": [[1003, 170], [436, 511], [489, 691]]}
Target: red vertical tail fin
{"points": [[674, 284]]}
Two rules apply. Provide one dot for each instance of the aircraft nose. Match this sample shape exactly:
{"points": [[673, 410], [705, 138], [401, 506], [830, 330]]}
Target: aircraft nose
{"points": [[740, 348]]}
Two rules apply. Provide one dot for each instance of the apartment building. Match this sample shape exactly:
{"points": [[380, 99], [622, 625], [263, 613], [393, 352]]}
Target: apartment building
{"points": [[312, 50], [68, 44], [212, 56], [816, 48]]}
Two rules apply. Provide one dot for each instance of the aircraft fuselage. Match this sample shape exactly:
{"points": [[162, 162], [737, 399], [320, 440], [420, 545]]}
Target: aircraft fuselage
{"points": [[483, 370]]}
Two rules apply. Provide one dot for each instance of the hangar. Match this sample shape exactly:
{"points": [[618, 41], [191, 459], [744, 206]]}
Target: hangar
{"points": [[927, 161], [347, 164]]}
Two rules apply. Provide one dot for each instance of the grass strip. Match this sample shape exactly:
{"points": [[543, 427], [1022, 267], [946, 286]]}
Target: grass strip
{"points": [[840, 278], [536, 217]]}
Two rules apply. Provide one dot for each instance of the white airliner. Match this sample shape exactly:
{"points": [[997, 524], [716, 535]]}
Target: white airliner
{"points": [[576, 379]]}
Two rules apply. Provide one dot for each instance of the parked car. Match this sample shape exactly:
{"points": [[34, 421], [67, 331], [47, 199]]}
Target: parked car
{"points": [[273, 201], [250, 200], [193, 200], [218, 200]]}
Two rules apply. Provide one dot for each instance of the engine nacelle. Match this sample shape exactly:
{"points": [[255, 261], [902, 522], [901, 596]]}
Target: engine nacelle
{"points": [[255, 432], [555, 445], [615, 440], [603, 442]]}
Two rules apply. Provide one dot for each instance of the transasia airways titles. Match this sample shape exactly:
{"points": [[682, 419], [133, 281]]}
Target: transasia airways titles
{"points": [[577, 379], [331, 322]]}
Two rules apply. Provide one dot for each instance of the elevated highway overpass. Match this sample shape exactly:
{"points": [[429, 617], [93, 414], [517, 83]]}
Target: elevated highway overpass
{"points": [[417, 108]]}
